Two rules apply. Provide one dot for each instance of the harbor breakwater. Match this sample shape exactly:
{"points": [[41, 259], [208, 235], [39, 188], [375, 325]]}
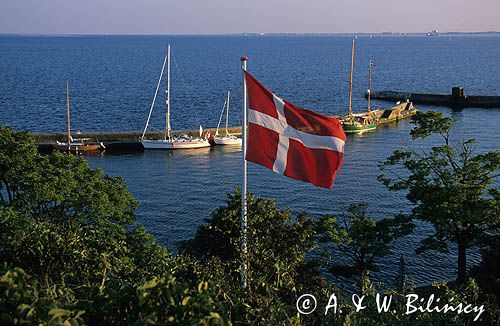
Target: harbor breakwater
{"points": [[116, 141], [457, 98]]}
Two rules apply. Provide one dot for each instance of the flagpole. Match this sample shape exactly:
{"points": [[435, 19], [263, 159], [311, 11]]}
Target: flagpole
{"points": [[244, 264]]}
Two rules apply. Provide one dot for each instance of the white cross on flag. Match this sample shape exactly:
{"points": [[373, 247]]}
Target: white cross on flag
{"points": [[295, 142]]}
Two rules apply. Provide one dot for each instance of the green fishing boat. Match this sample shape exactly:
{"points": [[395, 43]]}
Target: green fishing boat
{"points": [[360, 122]]}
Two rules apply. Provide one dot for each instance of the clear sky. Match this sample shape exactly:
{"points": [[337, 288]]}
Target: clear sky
{"points": [[237, 16]]}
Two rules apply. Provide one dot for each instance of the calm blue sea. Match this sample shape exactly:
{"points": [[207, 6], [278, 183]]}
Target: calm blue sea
{"points": [[112, 80]]}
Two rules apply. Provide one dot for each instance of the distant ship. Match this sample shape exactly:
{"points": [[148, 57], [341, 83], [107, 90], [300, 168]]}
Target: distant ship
{"points": [[433, 33]]}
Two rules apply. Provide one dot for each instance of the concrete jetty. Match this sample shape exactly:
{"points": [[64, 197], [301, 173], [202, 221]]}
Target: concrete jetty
{"points": [[119, 142], [113, 136], [457, 98]]}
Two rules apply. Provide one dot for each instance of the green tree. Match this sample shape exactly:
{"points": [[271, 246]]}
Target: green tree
{"points": [[70, 251], [67, 216], [488, 271], [362, 240], [450, 187], [278, 269], [277, 242], [17, 154]]}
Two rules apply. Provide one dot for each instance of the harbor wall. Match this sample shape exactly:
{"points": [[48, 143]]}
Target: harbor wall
{"points": [[116, 142], [456, 99], [113, 136]]}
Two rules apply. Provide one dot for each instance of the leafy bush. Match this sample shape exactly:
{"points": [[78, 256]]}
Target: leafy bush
{"points": [[71, 252], [363, 240], [278, 269]]}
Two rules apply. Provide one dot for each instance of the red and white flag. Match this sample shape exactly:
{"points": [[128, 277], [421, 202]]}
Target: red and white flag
{"points": [[295, 142]]}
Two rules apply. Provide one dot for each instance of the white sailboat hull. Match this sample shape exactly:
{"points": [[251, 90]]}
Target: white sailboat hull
{"points": [[174, 144], [234, 141]]}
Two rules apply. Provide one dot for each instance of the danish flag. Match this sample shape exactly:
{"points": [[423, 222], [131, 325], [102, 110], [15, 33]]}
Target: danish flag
{"points": [[292, 141]]}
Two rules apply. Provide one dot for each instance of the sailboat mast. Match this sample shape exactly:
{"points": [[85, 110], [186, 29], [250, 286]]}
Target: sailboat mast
{"points": [[167, 117], [154, 98], [350, 79], [67, 109], [369, 84], [227, 111], [220, 119]]}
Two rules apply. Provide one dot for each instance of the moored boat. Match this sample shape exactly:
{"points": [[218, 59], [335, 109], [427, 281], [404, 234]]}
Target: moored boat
{"points": [[227, 139], [183, 141], [361, 122], [77, 145], [169, 141], [358, 123]]}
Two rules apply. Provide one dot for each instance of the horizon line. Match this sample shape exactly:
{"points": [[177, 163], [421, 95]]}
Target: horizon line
{"points": [[246, 33]]}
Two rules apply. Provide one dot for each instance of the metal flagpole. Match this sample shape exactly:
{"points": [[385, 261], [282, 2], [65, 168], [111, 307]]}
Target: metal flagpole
{"points": [[244, 253]]}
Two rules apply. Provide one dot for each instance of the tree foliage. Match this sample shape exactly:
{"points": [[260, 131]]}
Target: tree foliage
{"points": [[71, 253], [278, 271], [449, 185], [362, 239], [488, 271]]}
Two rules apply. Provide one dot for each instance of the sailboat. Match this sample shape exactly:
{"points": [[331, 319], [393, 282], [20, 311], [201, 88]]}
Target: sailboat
{"points": [[228, 139], [359, 122], [77, 145], [169, 142]]}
